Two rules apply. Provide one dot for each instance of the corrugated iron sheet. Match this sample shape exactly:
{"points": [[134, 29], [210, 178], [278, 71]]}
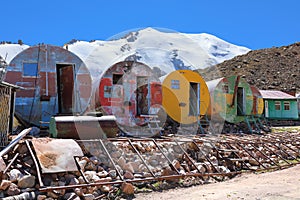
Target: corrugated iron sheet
{"points": [[275, 94]]}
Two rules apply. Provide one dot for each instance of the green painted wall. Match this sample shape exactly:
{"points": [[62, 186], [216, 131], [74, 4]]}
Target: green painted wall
{"points": [[282, 114]]}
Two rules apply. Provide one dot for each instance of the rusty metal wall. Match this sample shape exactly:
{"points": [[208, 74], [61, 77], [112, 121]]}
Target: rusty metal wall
{"points": [[39, 101]]}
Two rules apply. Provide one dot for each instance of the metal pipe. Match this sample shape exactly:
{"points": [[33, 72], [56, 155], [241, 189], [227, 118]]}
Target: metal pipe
{"points": [[14, 141], [110, 158], [50, 188], [138, 153], [11, 162], [169, 161], [250, 154], [35, 163]]}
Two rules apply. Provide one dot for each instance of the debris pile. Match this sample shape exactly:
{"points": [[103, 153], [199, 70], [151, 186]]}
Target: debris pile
{"points": [[124, 166]]}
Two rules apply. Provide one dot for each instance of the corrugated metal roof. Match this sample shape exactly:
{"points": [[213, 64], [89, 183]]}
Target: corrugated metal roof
{"points": [[275, 94]]}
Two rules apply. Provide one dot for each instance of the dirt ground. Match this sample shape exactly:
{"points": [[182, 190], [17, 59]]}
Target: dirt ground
{"points": [[277, 185]]}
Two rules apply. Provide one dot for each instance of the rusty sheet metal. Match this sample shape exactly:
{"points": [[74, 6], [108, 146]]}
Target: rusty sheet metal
{"points": [[56, 155]]}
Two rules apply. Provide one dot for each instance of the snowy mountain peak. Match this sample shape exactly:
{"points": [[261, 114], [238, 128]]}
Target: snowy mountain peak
{"points": [[9, 51], [163, 49]]}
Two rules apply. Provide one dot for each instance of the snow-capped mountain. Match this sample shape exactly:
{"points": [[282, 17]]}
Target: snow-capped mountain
{"points": [[9, 51], [163, 51]]}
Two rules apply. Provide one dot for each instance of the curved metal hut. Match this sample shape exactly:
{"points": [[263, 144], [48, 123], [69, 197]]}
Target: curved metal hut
{"points": [[231, 99], [258, 102], [56, 82], [130, 91], [185, 96]]}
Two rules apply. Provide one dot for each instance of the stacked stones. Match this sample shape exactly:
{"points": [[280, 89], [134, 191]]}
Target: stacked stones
{"points": [[110, 168]]}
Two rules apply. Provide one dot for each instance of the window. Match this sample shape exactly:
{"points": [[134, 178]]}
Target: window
{"points": [[277, 105], [117, 79], [107, 91], [225, 89], [286, 105], [30, 69], [175, 84]]}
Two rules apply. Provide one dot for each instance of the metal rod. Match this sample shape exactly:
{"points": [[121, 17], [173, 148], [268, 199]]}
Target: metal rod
{"points": [[188, 157], [111, 160], [276, 153], [206, 157], [14, 141], [265, 155], [244, 164], [35, 163], [138, 153], [11, 162], [250, 154], [50, 188], [165, 156], [79, 169]]}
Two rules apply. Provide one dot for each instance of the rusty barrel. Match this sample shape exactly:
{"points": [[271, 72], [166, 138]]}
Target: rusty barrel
{"points": [[83, 127]]}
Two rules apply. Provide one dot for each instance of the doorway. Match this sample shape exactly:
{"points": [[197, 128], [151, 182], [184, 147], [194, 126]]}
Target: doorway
{"points": [[142, 96], [240, 101], [65, 87], [194, 100]]}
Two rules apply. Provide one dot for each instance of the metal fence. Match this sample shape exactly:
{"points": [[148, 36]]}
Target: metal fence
{"points": [[5, 102]]}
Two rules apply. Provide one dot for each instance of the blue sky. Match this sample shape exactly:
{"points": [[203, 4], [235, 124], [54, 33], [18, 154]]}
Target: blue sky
{"points": [[255, 24]]}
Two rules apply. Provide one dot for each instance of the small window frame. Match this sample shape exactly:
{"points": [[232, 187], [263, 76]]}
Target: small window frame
{"points": [[30, 69], [175, 84], [286, 105], [277, 105]]}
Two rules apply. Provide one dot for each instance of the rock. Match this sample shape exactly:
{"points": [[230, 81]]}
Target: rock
{"points": [[113, 174], [167, 171], [82, 164], [127, 188], [4, 184], [41, 197], [88, 197], [90, 166], [52, 195], [128, 175], [121, 161], [22, 149], [2, 164], [74, 181], [79, 192], [26, 181], [94, 160], [15, 175], [105, 188], [102, 174], [128, 167], [90, 174], [81, 180], [13, 190], [71, 196], [176, 164]]}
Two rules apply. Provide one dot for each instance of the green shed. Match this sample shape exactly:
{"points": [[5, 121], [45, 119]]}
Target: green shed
{"points": [[231, 98], [279, 105]]}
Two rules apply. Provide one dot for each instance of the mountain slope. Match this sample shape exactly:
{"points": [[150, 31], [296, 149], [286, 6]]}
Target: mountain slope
{"points": [[272, 68]]}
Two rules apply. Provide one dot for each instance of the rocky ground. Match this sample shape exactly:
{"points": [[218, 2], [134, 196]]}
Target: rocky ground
{"points": [[277, 185], [136, 166], [272, 68]]}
